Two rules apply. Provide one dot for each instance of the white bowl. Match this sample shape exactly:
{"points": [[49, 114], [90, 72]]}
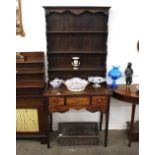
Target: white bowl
{"points": [[76, 84]]}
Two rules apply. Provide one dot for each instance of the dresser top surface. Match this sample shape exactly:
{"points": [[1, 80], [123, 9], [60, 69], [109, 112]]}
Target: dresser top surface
{"points": [[90, 90]]}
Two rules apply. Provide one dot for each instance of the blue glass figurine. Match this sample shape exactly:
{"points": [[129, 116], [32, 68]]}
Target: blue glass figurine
{"points": [[114, 73], [128, 74]]}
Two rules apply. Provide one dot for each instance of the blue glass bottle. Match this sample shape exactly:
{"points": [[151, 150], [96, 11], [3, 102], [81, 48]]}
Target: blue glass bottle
{"points": [[114, 73]]}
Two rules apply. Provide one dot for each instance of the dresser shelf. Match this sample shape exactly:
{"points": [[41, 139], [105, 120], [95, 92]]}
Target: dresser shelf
{"points": [[76, 52], [71, 69], [74, 32]]}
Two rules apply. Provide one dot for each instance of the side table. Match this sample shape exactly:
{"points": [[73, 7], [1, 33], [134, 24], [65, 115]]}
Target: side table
{"points": [[129, 94]]}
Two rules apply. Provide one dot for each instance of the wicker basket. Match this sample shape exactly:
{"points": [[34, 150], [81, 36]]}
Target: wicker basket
{"points": [[79, 133]]}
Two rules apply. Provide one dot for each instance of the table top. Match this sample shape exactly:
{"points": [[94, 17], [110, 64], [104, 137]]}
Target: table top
{"points": [[127, 93]]}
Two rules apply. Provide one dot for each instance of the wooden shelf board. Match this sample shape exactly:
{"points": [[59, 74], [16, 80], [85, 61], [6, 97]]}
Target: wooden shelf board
{"points": [[29, 72], [79, 52], [29, 61], [80, 69], [29, 96], [77, 31], [29, 84]]}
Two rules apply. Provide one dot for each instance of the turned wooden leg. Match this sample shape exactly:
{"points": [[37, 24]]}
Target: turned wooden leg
{"points": [[101, 120], [131, 123]]}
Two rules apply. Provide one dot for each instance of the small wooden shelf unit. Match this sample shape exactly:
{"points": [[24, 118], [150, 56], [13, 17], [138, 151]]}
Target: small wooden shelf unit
{"points": [[31, 113]]}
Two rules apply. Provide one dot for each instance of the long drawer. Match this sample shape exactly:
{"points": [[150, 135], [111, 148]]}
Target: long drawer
{"points": [[56, 101], [78, 101]]}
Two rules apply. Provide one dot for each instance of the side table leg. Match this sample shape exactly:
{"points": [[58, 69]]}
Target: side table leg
{"points": [[101, 120], [131, 123]]}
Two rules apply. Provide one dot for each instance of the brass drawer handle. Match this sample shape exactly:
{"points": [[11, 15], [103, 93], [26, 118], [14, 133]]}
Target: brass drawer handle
{"points": [[99, 100], [76, 102], [56, 101]]}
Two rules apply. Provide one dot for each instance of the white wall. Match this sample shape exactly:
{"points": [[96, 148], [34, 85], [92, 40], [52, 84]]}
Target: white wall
{"points": [[122, 39]]}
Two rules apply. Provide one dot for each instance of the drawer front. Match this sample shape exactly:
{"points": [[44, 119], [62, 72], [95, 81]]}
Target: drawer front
{"points": [[78, 101], [100, 100], [56, 101]]}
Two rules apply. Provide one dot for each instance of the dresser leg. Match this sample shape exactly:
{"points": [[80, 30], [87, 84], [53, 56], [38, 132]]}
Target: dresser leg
{"points": [[131, 123], [49, 129], [101, 120], [51, 122], [48, 141], [106, 126], [43, 141]]}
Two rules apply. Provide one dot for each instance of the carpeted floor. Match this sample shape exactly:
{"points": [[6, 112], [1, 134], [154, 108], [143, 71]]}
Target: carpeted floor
{"points": [[117, 145]]}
